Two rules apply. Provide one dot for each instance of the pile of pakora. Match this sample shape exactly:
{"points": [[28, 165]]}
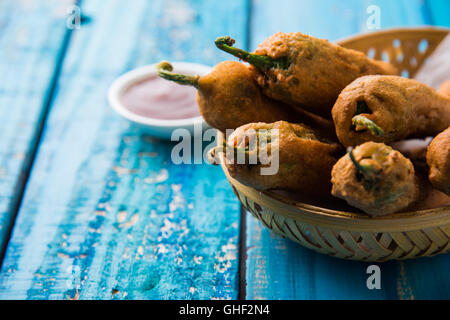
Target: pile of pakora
{"points": [[307, 116]]}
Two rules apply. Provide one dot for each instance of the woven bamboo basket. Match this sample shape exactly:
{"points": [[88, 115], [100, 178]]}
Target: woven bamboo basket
{"points": [[354, 235]]}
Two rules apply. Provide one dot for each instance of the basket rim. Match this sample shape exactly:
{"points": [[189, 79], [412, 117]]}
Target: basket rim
{"points": [[389, 31]]}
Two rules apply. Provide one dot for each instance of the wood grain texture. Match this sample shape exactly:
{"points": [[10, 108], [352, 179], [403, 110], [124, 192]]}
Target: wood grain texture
{"points": [[329, 19], [28, 58], [280, 269], [106, 215], [439, 12]]}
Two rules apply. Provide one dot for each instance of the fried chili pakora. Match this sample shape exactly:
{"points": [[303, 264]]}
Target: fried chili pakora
{"points": [[376, 179], [299, 158], [229, 97], [438, 159], [301, 70], [387, 109]]}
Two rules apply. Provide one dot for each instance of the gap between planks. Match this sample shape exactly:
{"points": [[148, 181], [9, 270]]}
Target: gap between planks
{"points": [[28, 165], [242, 294], [242, 268]]}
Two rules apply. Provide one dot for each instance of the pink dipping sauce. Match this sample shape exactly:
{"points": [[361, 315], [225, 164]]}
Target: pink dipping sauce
{"points": [[161, 99]]}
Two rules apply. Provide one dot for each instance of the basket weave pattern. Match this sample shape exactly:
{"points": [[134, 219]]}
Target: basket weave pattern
{"points": [[353, 245], [363, 238], [407, 49]]}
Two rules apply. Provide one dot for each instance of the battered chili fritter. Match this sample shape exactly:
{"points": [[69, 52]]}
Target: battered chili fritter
{"points": [[376, 179], [229, 97], [304, 158], [438, 159], [387, 109], [301, 70]]}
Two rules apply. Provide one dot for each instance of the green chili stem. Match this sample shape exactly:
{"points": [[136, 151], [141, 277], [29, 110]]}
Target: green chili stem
{"points": [[224, 147], [214, 151], [362, 121], [164, 69], [261, 62], [364, 169], [212, 156]]}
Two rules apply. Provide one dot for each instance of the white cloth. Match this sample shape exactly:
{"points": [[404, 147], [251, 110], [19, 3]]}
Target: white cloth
{"points": [[436, 68]]}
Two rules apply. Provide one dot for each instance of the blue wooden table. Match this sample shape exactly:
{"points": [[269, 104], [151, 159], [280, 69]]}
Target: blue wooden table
{"points": [[90, 208]]}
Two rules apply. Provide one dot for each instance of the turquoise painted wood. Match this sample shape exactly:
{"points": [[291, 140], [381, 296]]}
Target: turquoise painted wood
{"points": [[439, 12], [280, 269], [330, 19], [106, 215], [29, 54]]}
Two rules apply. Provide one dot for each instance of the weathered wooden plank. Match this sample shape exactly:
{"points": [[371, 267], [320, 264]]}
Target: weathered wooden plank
{"points": [[28, 58], [106, 214], [439, 12], [331, 20], [280, 269]]}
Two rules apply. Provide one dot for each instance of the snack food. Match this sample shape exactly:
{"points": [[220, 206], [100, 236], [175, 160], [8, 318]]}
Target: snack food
{"points": [[229, 97], [387, 109], [301, 70], [438, 159], [304, 157], [278, 107], [376, 179]]}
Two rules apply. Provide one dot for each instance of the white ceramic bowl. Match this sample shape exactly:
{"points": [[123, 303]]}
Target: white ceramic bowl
{"points": [[155, 127]]}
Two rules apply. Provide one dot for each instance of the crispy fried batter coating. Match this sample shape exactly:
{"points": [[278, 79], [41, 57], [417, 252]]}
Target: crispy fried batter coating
{"points": [[378, 180], [387, 109], [229, 97], [305, 159], [438, 159], [317, 71]]}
